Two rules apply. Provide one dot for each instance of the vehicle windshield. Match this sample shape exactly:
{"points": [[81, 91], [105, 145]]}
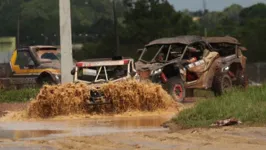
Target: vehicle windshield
{"points": [[50, 56], [161, 53], [89, 74]]}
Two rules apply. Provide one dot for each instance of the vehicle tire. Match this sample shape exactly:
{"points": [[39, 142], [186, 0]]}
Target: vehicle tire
{"points": [[175, 87], [45, 80], [222, 83], [241, 79]]}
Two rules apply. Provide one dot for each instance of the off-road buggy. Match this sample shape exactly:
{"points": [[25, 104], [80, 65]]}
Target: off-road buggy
{"points": [[98, 71], [184, 63], [24, 67], [231, 58]]}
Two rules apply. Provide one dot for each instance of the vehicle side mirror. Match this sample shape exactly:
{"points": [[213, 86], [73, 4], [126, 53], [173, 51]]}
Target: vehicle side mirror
{"points": [[73, 71]]}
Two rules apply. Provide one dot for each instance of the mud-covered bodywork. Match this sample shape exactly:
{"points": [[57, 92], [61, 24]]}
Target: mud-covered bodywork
{"points": [[231, 58], [24, 68], [95, 72], [188, 62], [228, 46]]}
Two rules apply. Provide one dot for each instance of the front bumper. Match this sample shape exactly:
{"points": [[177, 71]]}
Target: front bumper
{"points": [[97, 98]]}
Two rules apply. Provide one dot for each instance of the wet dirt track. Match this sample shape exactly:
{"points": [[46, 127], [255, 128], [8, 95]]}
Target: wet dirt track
{"points": [[202, 139], [113, 133], [5, 107], [18, 134]]}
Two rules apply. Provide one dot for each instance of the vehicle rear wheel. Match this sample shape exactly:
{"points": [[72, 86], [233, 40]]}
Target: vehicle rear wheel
{"points": [[241, 79], [222, 84], [175, 87]]}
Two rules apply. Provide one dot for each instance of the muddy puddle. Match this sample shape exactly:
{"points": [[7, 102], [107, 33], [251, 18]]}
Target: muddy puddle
{"points": [[85, 127]]}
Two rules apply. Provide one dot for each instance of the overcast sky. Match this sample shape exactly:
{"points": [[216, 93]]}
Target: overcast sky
{"points": [[211, 4]]}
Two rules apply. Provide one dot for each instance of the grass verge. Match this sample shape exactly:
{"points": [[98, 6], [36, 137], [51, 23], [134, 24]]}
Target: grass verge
{"points": [[247, 105], [23, 95]]}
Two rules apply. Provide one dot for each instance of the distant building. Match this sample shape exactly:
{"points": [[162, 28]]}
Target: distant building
{"points": [[7, 44], [196, 19]]}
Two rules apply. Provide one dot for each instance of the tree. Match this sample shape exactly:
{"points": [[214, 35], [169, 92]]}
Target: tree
{"points": [[252, 31], [147, 20]]}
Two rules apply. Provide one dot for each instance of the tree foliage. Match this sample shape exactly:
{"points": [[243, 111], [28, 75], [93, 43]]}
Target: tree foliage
{"points": [[139, 21]]}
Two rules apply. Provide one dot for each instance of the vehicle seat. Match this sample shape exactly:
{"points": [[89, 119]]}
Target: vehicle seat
{"points": [[205, 63], [209, 58]]}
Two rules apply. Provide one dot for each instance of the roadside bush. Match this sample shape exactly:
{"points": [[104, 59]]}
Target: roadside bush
{"points": [[249, 106], [22, 95]]}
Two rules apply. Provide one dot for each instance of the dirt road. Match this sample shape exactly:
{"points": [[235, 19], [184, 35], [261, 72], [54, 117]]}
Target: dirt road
{"points": [[112, 133], [222, 139], [227, 139]]}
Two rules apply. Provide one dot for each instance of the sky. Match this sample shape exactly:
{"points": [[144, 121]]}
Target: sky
{"points": [[211, 4]]}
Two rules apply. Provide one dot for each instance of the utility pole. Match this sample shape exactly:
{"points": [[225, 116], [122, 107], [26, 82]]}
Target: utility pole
{"points": [[18, 31], [65, 41], [115, 29], [204, 13]]}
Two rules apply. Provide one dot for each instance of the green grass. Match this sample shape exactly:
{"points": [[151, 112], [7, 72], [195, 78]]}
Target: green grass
{"points": [[247, 105], [23, 95]]}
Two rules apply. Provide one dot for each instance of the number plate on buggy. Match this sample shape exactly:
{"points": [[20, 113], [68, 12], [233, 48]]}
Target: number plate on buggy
{"points": [[89, 72]]}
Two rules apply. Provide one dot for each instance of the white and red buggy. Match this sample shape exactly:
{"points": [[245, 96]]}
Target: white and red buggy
{"points": [[98, 71]]}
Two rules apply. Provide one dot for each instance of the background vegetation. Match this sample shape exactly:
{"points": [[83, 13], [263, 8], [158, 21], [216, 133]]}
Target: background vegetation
{"points": [[139, 21], [247, 106], [22, 95]]}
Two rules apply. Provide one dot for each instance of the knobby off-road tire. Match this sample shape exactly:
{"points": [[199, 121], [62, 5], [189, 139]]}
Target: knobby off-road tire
{"points": [[45, 81], [221, 84], [175, 87]]}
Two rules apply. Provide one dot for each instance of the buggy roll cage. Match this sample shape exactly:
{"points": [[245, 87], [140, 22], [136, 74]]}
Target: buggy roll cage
{"points": [[102, 66], [206, 44]]}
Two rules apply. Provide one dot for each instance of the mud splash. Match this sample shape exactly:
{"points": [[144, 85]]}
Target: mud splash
{"points": [[22, 116], [125, 96]]}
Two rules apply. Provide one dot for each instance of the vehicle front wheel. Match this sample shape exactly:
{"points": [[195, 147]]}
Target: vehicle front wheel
{"points": [[222, 83], [45, 80], [175, 87]]}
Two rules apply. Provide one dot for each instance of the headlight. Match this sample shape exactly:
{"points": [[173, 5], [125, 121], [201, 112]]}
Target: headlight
{"points": [[57, 77], [156, 71], [225, 69]]}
